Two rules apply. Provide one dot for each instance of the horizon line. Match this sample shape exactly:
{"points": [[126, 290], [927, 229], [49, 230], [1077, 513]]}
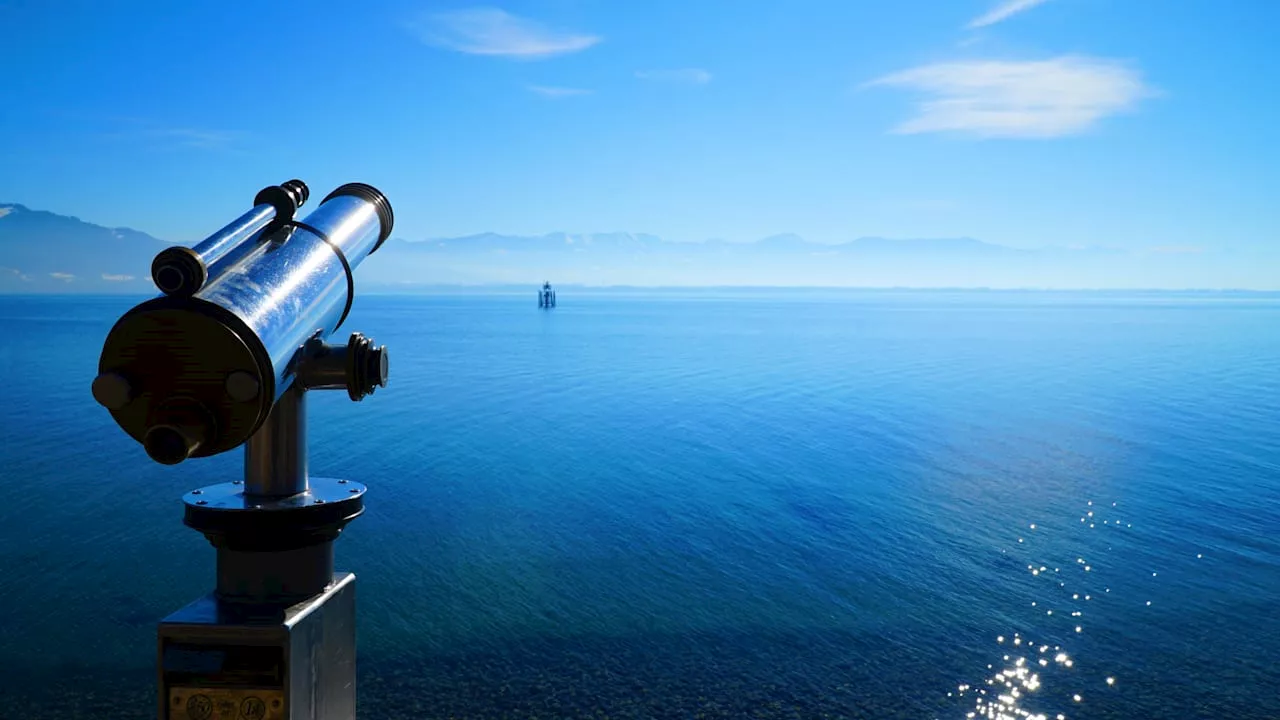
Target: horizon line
{"points": [[385, 289]]}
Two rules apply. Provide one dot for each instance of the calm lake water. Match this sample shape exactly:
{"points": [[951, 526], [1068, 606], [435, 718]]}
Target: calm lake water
{"points": [[768, 505]]}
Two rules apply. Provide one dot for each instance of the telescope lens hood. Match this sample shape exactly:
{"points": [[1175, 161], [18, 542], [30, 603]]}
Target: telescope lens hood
{"points": [[374, 197]]}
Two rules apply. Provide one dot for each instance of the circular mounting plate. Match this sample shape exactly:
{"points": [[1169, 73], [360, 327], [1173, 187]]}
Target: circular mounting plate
{"points": [[230, 496]]}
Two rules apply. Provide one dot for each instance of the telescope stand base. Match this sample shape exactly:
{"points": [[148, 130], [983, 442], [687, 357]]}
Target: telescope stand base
{"points": [[220, 661]]}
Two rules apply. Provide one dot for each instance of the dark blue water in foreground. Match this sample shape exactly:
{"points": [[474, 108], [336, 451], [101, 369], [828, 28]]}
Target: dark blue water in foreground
{"points": [[870, 505]]}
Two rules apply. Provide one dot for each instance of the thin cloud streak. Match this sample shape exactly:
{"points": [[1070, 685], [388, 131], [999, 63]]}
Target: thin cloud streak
{"points": [[1030, 99], [1002, 12], [557, 92], [688, 76], [497, 33]]}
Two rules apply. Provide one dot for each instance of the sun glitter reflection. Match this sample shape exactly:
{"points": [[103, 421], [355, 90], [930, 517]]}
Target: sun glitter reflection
{"points": [[1016, 685], [1008, 688]]}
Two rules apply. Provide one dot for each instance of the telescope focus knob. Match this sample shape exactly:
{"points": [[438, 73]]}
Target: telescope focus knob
{"points": [[367, 367], [286, 197], [359, 367], [112, 391]]}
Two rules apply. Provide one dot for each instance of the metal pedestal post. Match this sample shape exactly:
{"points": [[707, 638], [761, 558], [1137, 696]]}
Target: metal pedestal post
{"points": [[276, 639], [298, 662], [224, 358]]}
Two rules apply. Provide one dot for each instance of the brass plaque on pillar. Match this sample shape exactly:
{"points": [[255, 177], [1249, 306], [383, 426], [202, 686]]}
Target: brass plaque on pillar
{"points": [[226, 703]]}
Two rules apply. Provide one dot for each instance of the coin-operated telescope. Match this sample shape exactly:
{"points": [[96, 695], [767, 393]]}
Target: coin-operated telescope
{"points": [[224, 357]]}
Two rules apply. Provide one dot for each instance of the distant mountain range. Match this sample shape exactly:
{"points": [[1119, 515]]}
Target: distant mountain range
{"points": [[43, 252]]}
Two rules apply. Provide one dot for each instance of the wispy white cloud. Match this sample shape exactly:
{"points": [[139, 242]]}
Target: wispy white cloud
{"points": [[16, 273], [116, 278], [688, 76], [1032, 99], [1003, 11], [490, 31], [557, 92], [64, 277]]}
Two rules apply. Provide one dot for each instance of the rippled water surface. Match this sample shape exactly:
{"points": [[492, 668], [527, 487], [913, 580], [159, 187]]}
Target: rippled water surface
{"points": [[870, 505]]}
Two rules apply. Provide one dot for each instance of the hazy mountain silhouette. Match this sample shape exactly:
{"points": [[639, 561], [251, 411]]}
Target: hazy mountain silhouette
{"points": [[45, 252], [780, 260]]}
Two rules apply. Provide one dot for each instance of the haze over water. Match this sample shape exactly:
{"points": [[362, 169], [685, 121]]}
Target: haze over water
{"points": [[736, 504]]}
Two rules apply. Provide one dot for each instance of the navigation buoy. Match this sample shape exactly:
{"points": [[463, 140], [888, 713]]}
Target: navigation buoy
{"points": [[546, 296]]}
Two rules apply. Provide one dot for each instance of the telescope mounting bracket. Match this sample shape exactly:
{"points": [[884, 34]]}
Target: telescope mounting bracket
{"points": [[278, 522]]}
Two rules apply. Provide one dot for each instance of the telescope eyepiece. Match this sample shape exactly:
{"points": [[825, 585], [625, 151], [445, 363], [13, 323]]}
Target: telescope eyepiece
{"points": [[298, 189], [180, 429], [178, 270], [169, 279], [286, 198], [168, 445]]}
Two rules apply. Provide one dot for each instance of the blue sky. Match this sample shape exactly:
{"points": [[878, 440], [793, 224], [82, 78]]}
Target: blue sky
{"points": [[1123, 123]]}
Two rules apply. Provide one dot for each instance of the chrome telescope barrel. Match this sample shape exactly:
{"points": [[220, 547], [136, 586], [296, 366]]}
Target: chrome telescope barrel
{"points": [[183, 271], [192, 375]]}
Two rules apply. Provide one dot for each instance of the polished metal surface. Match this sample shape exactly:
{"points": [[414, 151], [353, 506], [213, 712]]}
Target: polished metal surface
{"points": [[232, 496], [350, 222], [275, 457], [287, 292], [235, 255], [193, 375], [303, 655], [214, 247], [182, 270], [284, 293]]}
